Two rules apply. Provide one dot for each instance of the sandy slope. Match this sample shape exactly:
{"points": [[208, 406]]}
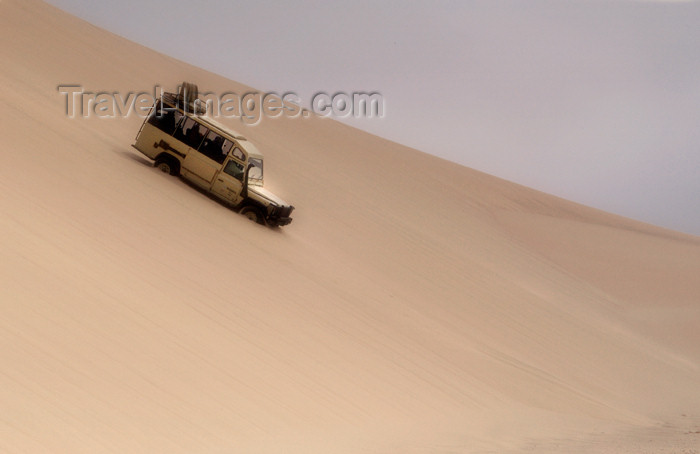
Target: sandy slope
{"points": [[413, 306]]}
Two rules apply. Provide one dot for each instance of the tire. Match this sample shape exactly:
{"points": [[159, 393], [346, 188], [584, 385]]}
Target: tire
{"points": [[254, 214], [188, 92], [168, 165]]}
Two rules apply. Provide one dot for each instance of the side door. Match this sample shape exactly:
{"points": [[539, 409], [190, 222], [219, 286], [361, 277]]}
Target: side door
{"points": [[198, 167], [228, 184]]}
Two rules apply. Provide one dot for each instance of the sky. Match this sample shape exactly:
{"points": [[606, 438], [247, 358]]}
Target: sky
{"points": [[596, 101]]}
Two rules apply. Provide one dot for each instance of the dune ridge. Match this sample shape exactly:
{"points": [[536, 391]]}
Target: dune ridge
{"points": [[414, 305]]}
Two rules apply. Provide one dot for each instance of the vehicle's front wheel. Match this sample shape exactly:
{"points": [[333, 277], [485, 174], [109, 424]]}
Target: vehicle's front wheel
{"points": [[254, 214]]}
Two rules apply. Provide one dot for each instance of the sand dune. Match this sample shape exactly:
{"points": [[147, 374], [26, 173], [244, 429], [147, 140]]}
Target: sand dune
{"points": [[413, 306]]}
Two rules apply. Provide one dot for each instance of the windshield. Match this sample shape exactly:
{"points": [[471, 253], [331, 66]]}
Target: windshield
{"points": [[256, 170]]}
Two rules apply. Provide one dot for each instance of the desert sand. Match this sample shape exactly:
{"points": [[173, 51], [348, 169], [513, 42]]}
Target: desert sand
{"points": [[413, 306]]}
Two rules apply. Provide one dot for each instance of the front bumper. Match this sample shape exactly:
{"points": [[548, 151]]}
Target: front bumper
{"points": [[278, 222], [280, 216]]}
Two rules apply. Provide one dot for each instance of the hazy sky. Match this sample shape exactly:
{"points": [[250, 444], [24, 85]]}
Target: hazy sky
{"points": [[594, 101]]}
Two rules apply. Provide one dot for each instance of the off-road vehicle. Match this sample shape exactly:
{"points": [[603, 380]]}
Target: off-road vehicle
{"points": [[181, 140]]}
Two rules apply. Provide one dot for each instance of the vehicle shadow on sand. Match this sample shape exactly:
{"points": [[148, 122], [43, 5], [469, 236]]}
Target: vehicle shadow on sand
{"points": [[133, 156]]}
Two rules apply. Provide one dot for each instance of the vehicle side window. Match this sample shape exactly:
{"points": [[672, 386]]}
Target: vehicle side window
{"points": [[191, 132], [164, 119], [179, 118], [238, 154], [234, 169], [215, 147], [227, 146]]}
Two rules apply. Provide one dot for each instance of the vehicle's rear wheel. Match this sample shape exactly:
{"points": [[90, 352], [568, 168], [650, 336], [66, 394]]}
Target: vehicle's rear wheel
{"points": [[254, 214], [168, 165]]}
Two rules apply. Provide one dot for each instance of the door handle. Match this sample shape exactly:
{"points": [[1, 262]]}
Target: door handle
{"points": [[219, 179]]}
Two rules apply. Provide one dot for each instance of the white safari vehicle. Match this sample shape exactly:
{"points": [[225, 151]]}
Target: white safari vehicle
{"points": [[182, 141]]}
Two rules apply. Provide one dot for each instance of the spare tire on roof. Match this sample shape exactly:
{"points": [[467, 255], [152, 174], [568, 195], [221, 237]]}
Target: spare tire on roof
{"points": [[188, 92]]}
